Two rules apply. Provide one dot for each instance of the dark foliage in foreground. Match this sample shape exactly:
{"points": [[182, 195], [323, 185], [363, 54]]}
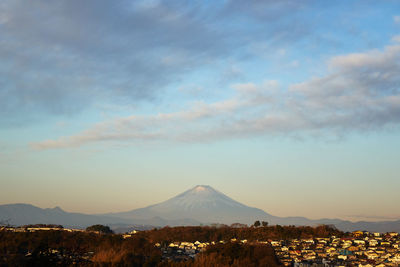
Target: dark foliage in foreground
{"points": [[233, 254], [50, 248]]}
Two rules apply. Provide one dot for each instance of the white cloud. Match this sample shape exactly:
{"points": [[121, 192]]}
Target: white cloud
{"points": [[371, 59], [396, 19], [361, 92]]}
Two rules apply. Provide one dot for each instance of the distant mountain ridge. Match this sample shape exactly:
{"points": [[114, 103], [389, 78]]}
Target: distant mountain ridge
{"points": [[22, 214], [199, 205]]}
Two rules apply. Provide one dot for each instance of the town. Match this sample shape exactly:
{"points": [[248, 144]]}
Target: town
{"points": [[361, 249]]}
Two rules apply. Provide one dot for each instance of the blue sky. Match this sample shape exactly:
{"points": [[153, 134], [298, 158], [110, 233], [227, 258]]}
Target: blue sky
{"points": [[288, 106]]}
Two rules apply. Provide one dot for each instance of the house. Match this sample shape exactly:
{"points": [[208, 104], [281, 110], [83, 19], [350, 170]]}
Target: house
{"points": [[358, 233], [373, 242]]}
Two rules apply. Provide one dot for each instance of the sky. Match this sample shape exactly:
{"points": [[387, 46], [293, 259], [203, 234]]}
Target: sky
{"points": [[288, 106]]}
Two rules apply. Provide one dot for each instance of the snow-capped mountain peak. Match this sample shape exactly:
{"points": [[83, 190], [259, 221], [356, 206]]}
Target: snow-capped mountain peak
{"points": [[202, 203], [201, 188]]}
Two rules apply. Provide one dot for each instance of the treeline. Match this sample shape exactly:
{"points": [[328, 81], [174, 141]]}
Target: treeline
{"points": [[43, 226], [207, 234]]}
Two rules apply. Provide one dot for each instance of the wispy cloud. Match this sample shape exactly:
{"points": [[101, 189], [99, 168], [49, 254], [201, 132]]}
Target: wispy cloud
{"points": [[61, 57], [360, 93], [396, 38]]}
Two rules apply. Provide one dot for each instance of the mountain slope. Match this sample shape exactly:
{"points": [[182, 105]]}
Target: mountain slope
{"points": [[201, 203]]}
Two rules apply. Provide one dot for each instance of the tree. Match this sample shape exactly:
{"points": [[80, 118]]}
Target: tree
{"points": [[100, 228], [264, 224], [257, 224]]}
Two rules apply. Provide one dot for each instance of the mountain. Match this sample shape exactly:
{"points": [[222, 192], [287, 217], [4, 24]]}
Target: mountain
{"points": [[204, 205], [23, 214], [200, 204]]}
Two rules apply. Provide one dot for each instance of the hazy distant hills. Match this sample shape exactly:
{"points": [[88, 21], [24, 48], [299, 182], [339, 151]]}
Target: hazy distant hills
{"points": [[23, 214], [199, 205]]}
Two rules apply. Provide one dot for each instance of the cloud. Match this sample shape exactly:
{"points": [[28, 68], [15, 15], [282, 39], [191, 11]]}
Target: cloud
{"points": [[396, 38], [360, 93], [396, 19], [264, 10], [62, 57]]}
